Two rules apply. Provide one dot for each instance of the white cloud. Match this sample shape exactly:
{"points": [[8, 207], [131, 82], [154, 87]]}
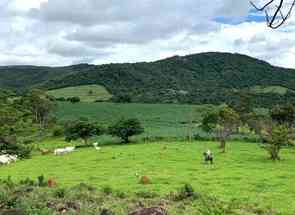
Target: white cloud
{"points": [[62, 32]]}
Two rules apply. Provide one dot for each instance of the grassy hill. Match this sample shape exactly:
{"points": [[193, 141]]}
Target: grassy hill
{"points": [[87, 93], [235, 175], [198, 79]]}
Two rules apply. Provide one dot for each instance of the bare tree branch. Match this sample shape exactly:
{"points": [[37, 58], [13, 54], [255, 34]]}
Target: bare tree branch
{"points": [[277, 18]]}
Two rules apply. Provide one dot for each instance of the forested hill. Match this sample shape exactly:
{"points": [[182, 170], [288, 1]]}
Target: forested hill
{"points": [[199, 78]]}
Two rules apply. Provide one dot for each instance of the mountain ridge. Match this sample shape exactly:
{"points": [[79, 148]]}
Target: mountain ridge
{"points": [[210, 77]]}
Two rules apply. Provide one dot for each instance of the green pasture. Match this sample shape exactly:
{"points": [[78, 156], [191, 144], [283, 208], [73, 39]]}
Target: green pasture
{"points": [[87, 93], [159, 120], [243, 173]]}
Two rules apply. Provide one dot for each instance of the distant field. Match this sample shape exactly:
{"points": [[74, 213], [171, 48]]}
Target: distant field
{"points": [[271, 89], [87, 93], [159, 120], [243, 173]]}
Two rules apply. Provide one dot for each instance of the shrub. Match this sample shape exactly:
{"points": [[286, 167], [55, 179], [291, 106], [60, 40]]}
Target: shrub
{"points": [[123, 98], [121, 194], [41, 181], [187, 191], [28, 182], [146, 194], [28, 142], [107, 190], [58, 131], [61, 99], [74, 100], [21, 150], [60, 193]]}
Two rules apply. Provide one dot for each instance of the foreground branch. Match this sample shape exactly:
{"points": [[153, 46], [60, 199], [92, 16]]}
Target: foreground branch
{"points": [[277, 18]]}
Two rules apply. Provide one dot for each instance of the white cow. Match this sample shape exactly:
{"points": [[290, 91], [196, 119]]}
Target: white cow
{"points": [[7, 159], [96, 146], [64, 151]]}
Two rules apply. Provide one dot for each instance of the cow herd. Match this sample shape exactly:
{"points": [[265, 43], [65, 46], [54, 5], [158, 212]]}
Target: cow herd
{"points": [[7, 159]]}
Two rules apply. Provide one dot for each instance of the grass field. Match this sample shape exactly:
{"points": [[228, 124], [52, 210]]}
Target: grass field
{"points": [[87, 93], [159, 120], [270, 89], [243, 173]]}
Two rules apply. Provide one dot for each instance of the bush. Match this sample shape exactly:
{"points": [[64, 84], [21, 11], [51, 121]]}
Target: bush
{"points": [[187, 191], [60, 193], [58, 131], [123, 98], [74, 100], [107, 190], [61, 99], [21, 150], [146, 194], [41, 181]]}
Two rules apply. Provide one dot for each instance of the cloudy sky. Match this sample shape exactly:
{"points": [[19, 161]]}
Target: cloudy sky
{"points": [[63, 32]]}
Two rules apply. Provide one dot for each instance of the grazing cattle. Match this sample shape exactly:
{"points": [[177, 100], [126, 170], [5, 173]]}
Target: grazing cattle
{"points": [[7, 159], [96, 146], [64, 151], [208, 156], [45, 151]]}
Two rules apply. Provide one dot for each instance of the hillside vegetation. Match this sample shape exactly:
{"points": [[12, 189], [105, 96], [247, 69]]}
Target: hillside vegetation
{"points": [[87, 93], [200, 78]]}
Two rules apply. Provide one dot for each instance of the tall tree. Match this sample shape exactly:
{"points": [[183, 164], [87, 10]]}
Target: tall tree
{"points": [[223, 123]]}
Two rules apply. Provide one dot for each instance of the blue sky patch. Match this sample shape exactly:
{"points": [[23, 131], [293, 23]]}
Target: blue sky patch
{"points": [[238, 20]]}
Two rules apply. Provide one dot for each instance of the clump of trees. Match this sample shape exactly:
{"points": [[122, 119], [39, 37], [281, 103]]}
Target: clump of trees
{"points": [[223, 123], [85, 129], [124, 129]]}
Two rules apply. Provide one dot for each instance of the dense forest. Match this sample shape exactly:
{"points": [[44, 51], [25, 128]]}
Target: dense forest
{"points": [[200, 78]]}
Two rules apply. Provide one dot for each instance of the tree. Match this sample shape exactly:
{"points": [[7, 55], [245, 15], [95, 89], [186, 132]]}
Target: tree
{"points": [[283, 114], [275, 137], [278, 17], [275, 130], [223, 123], [242, 105], [82, 129], [125, 129]]}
